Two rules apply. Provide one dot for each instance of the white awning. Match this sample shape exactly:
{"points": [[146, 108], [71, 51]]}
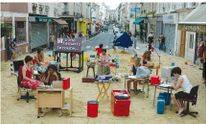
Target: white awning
{"points": [[197, 16], [60, 21]]}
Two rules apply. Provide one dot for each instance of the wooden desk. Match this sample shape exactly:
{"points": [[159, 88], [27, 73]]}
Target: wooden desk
{"points": [[142, 81], [51, 98]]}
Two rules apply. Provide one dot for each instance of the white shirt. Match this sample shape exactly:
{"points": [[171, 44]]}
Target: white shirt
{"points": [[186, 85]]}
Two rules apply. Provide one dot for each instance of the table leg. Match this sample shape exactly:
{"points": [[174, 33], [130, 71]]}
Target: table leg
{"points": [[147, 89], [105, 89], [67, 60], [100, 91], [154, 99], [71, 101], [71, 60], [125, 83], [79, 62]]}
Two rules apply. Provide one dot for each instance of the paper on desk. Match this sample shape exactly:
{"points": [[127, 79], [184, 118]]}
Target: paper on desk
{"points": [[165, 85], [132, 76]]}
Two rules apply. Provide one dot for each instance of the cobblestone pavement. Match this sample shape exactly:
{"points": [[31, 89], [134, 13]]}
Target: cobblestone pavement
{"points": [[141, 112]]}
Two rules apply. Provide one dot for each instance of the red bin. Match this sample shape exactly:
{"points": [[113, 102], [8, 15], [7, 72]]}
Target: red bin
{"points": [[120, 107], [92, 108], [155, 80], [66, 83]]}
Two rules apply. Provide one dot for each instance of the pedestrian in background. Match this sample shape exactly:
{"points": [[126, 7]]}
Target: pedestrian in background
{"points": [[162, 42], [51, 42], [150, 40]]}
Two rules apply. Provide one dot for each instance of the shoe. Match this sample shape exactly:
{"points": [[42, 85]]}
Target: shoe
{"points": [[180, 111]]}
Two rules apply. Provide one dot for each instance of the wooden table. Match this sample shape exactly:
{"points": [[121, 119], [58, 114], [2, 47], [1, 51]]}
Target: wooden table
{"points": [[51, 98], [141, 80]]}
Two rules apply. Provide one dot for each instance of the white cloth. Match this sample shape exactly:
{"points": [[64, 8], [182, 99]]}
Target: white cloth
{"points": [[186, 85]]}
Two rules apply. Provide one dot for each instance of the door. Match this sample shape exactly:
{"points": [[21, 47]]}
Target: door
{"points": [[38, 35], [182, 44], [190, 46]]}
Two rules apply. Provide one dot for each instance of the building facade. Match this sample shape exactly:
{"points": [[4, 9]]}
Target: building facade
{"points": [[15, 18]]}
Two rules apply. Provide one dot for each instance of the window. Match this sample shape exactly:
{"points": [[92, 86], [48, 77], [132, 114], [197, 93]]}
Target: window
{"points": [[20, 32], [191, 41]]}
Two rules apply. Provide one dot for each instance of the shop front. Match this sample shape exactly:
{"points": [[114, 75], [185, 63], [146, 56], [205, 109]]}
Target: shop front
{"points": [[38, 31], [192, 31], [169, 31], [13, 29], [191, 35], [159, 29]]}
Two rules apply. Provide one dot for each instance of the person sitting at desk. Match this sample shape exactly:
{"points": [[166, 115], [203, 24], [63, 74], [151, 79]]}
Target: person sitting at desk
{"points": [[39, 57], [103, 64], [182, 85], [134, 63], [27, 75], [50, 75], [38, 61], [146, 59]]}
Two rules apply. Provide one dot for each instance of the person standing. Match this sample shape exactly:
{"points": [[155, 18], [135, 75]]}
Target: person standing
{"points": [[162, 42], [52, 40], [150, 41]]}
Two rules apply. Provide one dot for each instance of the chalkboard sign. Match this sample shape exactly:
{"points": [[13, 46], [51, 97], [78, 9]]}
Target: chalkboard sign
{"points": [[68, 45]]}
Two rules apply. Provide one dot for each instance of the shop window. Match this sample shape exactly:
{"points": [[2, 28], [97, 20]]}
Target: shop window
{"points": [[20, 32], [191, 41]]}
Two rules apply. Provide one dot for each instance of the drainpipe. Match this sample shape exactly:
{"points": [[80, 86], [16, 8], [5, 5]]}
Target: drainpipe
{"points": [[176, 34]]}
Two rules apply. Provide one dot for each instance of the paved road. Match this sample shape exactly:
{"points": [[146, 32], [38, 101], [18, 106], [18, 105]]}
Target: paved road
{"points": [[105, 38]]}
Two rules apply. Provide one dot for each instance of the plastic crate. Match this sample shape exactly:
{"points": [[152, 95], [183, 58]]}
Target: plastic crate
{"points": [[120, 107]]}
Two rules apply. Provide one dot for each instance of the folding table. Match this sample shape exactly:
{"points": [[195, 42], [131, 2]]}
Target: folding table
{"points": [[103, 87]]}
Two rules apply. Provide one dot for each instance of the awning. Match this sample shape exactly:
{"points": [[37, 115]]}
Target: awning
{"points": [[88, 21], [197, 16], [138, 20], [60, 21]]}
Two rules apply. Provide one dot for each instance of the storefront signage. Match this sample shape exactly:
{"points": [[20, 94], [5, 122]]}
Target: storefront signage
{"points": [[68, 45], [194, 28], [32, 19]]}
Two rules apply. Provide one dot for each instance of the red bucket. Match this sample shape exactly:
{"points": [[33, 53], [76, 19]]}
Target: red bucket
{"points": [[155, 80], [92, 109], [66, 83]]}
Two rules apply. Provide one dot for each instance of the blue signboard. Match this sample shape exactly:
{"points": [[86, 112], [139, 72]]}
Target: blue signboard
{"points": [[135, 9]]}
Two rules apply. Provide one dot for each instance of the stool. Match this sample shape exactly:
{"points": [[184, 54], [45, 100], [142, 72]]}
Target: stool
{"points": [[90, 65]]}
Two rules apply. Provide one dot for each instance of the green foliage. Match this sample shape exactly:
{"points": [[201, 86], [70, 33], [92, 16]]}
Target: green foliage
{"points": [[5, 29]]}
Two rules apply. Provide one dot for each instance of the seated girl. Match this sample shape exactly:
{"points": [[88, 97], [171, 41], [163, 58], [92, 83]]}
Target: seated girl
{"points": [[103, 64], [134, 63], [146, 59], [27, 73], [50, 75], [38, 61], [182, 86], [39, 57]]}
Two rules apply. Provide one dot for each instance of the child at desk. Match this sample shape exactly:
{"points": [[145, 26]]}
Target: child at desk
{"points": [[182, 85], [134, 62]]}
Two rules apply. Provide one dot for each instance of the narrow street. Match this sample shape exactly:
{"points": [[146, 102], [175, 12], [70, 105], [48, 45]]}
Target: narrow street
{"points": [[52, 73], [105, 38]]}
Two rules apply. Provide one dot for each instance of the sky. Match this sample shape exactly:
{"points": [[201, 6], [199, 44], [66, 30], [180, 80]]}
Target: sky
{"points": [[113, 4]]}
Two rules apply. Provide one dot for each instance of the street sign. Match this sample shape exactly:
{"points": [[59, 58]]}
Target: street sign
{"points": [[135, 9], [68, 45]]}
